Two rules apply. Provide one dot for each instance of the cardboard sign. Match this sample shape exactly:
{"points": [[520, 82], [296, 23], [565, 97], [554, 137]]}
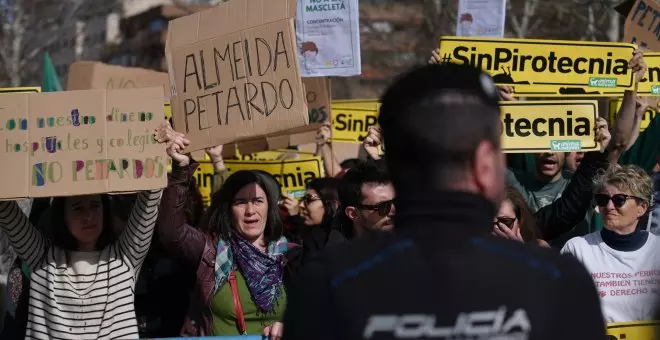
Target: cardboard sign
{"points": [[613, 106], [642, 26], [234, 72], [646, 330], [87, 75], [318, 96], [81, 142], [549, 126], [546, 67], [352, 119], [34, 89]]}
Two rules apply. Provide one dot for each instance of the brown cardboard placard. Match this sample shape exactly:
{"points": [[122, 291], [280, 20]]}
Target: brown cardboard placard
{"points": [[319, 98], [81, 142], [234, 72], [87, 75], [641, 25]]}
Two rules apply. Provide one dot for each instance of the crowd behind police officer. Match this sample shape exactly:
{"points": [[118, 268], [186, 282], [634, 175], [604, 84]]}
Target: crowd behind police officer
{"points": [[439, 238]]}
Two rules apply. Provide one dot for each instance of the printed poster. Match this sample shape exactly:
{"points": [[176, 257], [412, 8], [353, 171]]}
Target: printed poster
{"points": [[328, 37], [481, 18]]}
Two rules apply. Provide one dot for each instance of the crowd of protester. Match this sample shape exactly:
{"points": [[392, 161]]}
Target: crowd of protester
{"points": [[442, 225]]}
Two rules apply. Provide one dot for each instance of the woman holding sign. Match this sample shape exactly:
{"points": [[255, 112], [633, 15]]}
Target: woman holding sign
{"points": [[623, 258], [241, 256], [82, 279]]}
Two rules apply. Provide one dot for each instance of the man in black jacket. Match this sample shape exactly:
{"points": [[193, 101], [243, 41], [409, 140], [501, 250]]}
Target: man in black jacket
{"points": [[440, 275]]}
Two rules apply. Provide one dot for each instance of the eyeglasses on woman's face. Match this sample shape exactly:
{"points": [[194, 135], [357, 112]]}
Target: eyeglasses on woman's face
{"points": [[507, 221]]}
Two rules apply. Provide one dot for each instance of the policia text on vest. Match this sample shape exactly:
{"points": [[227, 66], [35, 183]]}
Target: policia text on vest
{"points": [[546, 67]]}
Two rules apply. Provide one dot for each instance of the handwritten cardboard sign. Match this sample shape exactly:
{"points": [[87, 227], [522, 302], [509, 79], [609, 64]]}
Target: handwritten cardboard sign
{"points": [[549, 126], [642, 26], [234, 72], [81, 142], [87, 75], [546, 68], [318, 97]]}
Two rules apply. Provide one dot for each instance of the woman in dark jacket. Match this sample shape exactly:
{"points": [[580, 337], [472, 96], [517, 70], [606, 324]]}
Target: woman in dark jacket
{"points": [[241, 262], [313, 226]]}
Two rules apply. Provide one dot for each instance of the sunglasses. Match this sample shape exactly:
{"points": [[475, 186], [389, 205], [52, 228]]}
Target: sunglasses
{"points": [[507, 221], [383, 208], [619, 200]]}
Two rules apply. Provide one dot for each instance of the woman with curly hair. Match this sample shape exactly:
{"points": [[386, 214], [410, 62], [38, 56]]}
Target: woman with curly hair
{"points": [[623, 258]]}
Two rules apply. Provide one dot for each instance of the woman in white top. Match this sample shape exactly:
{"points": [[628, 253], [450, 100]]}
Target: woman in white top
{"points": [[82, 279], [623, 258]]}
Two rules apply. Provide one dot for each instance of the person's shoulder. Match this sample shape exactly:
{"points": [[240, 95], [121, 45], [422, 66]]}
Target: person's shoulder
{"points": [[340, 255], [578, 242]]}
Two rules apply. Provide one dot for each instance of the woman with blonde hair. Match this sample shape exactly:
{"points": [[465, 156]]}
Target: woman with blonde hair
{"points": [[623, 258]]}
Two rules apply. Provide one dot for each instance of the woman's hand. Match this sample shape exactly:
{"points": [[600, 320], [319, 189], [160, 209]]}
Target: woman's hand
{"points": [[506, 93], [505, 232], [274, 331], [176, 142], [372, 142], [638, 65], [290, 204], [323, 135], [603, 135], [435, 56]]}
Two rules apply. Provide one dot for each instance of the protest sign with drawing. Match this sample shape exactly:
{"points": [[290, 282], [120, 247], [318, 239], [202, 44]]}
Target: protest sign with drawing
{"points": [[641, 26], [549, 126], [81, 142], [234, 73], [546, 68], [481, 18], [328, 38]]}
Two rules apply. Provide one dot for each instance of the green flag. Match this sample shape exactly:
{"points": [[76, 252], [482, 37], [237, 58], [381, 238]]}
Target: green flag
{"points": [[51, 83]]}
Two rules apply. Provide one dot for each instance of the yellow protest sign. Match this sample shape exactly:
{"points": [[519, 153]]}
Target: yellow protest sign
{"points": [[34, 89], [168, 110], [549, 126], [650, 84], [275, 155], [613, 106], [351, 119], [546, 67], [293, 175], [633, 331]]}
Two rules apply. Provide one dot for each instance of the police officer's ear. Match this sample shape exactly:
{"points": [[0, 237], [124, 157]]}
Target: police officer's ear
{"points": [[352, 213]]}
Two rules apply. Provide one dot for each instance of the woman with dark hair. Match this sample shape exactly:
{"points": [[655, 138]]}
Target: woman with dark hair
{"points": [[318, 209], [239, 252], [516, 219], [82, 277]]}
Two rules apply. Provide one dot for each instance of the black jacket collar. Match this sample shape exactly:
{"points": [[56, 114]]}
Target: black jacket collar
{"points": [[429, 213]]}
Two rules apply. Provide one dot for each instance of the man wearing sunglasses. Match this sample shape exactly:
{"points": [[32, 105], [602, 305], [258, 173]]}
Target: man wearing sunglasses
{"points": [[366, 195], [440, 274]]}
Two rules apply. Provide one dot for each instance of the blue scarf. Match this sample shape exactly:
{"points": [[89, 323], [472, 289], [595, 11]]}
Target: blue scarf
{"points": [[262, 271]]}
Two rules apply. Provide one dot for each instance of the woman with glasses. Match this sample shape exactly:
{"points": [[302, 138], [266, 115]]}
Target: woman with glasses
{"points": [[623, 258], [515, 219], [313, 226]]}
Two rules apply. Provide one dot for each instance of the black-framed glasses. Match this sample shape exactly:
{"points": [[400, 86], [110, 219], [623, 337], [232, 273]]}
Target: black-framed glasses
{"points": [[507, 221], [307, 199], [619, 200], [383, 208]]}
